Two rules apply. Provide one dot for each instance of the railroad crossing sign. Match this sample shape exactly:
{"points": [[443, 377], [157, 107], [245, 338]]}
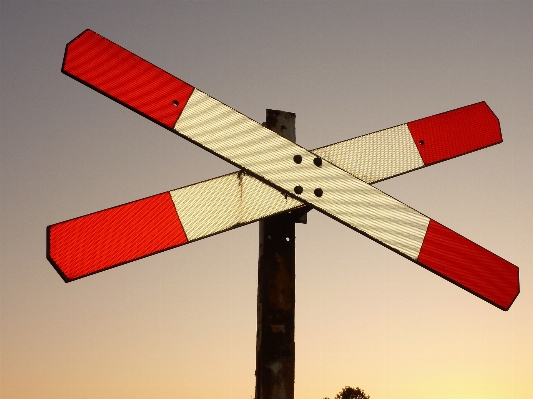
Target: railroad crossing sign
{"points": [[275, 176]]}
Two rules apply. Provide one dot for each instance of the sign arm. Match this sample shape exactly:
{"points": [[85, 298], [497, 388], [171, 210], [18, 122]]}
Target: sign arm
{"points": [[92, 243], [84, 245]]}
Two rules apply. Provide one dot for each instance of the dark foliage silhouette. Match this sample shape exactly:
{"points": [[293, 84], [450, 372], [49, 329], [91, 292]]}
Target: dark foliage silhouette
{"points": [[351, 393]]}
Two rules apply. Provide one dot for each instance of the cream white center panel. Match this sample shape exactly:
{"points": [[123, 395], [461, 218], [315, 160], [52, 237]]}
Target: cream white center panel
{"points": [[375, 156], [237, 138], [228, 201]]}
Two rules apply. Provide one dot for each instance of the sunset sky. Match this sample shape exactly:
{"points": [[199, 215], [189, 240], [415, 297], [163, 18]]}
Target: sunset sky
{"points": [[182, 323]]}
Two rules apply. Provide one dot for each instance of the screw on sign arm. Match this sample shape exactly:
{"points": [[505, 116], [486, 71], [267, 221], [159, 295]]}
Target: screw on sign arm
{"points": [[92, 243], [243, 142]]}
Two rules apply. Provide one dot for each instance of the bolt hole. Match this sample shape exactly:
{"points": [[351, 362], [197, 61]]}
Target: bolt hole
{"points": [[421, 142], [298, 189], [298, 158], [175, 103], [318, 192], [317, 161]]}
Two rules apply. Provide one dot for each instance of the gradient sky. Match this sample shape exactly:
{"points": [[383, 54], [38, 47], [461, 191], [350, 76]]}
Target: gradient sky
{"points": [[182, 324]]}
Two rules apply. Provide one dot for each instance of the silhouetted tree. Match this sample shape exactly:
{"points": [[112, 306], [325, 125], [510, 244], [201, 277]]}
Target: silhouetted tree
{"points": [[350, 393]]}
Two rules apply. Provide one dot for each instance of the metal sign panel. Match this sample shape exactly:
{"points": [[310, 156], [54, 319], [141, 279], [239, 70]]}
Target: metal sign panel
{"points": [[78, 246], [305, 177]]}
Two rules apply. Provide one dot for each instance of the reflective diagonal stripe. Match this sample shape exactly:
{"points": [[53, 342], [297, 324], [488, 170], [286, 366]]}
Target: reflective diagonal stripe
{"points": [[390, 152], [131, 80], [469, 265], [95, 242], [460, 131], [379, 155], [250, 146], [228, 201]]}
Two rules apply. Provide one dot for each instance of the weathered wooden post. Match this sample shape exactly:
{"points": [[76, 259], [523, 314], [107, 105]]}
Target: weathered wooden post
{"points": [[274, 370]]}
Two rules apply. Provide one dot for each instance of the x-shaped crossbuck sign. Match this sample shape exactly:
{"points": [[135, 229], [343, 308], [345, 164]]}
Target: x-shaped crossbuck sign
{"points": [[276, 176]]}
